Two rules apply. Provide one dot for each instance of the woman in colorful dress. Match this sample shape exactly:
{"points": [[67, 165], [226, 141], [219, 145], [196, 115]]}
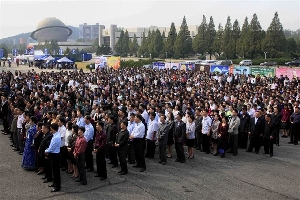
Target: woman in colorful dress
{"points": [[28, 161]]}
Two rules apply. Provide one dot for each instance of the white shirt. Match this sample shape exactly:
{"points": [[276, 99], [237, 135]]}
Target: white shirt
{"points": [[152, 127], [145, 115], [138, 130], [62, 131], [206, 124], [130, 127], [67, 137], [190, 130], [20, 121]]}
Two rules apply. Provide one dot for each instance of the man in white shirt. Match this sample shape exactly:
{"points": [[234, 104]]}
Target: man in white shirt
{"points": [[137, 135], [130, 127], [145, 115], [19, 143], [151, 136], [63, 149], [206, 125]]}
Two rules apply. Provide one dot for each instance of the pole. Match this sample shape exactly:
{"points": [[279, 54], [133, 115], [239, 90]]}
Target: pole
{"points": [[265, 55]]}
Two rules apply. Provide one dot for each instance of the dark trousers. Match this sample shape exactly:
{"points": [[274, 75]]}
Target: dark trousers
{"points": [[234, 143], [150, 149], [292, 132], [295, 131], [5, 125], [162, 153], [20, 141], [138, 144], [255, 142], [243, 140], [113, 155], [179, 151], [81, 167], [268, 146], [48, 169], [63, 157], [122, 153], [101, 163], [55, 159], [15, 138], [277, 136], [89, 161], [205, 143], [199, 139], [131, 157]]}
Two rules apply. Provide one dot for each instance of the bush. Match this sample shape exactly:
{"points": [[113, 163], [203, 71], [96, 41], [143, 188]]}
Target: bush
{"points": [[88, 66]]}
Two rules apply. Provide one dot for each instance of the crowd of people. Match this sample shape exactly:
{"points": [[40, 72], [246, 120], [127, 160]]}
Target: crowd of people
{"points": [[61, 121]]}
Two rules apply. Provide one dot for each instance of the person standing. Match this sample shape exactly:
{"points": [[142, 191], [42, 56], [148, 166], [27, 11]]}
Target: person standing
{"points": [[179, 138], [63, 149], [255, 132], [295, 122], [171, 123], [79, 155], [151, 135], [190, 135], [131, 125], [89, 136], [268, 135], [276, 118], [162, 138], [233, 131], [198, 129], [137, 136], [215, 133], [111, 139], [100, 144], [206, 126], [53, 152], [223, 137], [121, 144], [243, 128]]}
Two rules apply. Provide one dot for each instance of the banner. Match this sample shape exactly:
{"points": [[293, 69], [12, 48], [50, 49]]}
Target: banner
{"points": [[100, 62], [159, 65], [241, 70], [73, 51], [222, 69], [263, 71], [289, 72], [1, 53], [61, 52], [114, 62], [187, 67], [46, 51], [174, 66], [14, 52]]}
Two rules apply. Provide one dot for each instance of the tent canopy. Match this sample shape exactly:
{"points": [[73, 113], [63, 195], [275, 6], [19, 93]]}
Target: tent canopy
{"points": [[50, 58], [65, 59]]}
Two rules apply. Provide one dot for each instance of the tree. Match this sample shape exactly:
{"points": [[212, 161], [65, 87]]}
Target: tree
{"points": [[243, 42], [54, 47], [200, 40], [143, 48], [125, 43], [291, 46], [274, 43], [183, 43], [151, 43], [210, 36], [227, 40], [158, 44], [172, 35], [119, 44], [255, 37], [217, 46], [103, 50], [134, 46], [236, 32], [67, 51]]}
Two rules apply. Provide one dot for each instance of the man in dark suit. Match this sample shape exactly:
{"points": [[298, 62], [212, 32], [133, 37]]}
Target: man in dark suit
{"points": [[256, 131], [4, 114], [43, 146], [162, 138], [121, 144], [243, 128], [268, 135], [111, 139], [276, 119], [179, 137]]}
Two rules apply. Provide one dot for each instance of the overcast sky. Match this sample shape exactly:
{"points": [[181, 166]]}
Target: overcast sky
{"points": [[23, 15]]}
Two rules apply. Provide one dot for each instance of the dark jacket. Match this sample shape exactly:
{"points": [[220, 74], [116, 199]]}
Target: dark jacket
{"points": [[268, 130], [111, 134], [162, 134], [244, 123], [179, 131], [276, 119], [258, 128], [45, 143], [122, 139]]}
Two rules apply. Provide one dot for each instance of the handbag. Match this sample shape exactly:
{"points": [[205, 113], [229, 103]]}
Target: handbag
{"points": [[283, 125]]}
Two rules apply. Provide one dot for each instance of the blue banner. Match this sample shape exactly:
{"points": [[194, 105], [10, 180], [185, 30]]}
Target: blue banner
{"points": [[187, 67], [61, 52], [221, 69], [159, 65], [241, 70], [1, 53], [14, 52], [73, 51], [46, 51]]}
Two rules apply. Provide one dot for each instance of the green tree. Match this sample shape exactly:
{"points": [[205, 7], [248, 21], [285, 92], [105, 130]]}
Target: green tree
{"points": [[183, 43], [275, 42], [236, 33], [169, 45], [210, 37], [255, 37], [227, 39], [67, 51], [158, 44], [217, 46], [143, 48], [200, 40], [119, 44], [291, 46], [243, 42], [103, 50], [54, 47], [125, 43], [4, 46], [151, 44], [134, 46]]}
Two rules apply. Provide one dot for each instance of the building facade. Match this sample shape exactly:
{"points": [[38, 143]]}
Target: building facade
{"points": [[89, 32]]}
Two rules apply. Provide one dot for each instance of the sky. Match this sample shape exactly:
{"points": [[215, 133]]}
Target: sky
{"points": [[23, 15]]}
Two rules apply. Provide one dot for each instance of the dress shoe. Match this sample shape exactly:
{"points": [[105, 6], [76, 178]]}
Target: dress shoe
{"points": [[235, 154], [143, 169], [249, 151], [256, 152], [78, 181], [55, 190], [215, 154], [159, 162], [43, 178], [102, 178], [51, 185], [182, 161], [97, 176], [89, 170], [223, 156], [84, 183], [47, 181], [136, 166], [120, 172], [271, 155], [114, 166], [123, 173], [177, 160], [40, 172], [296, 143], [163, 163]]}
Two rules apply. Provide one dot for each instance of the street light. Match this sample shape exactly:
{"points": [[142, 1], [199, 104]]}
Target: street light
{"points": [[166, 55], [150, 56], [265, 55]]}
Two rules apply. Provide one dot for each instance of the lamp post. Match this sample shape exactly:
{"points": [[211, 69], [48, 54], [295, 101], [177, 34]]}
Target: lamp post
{"points": [[265, 55], [166, 55], [150, 56]]}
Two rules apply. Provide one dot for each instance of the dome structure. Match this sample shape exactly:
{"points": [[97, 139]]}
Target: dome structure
{"points": [[51, 29]]}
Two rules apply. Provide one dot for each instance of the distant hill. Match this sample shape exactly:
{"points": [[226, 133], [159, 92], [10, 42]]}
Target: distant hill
{"points": [[16, 38]]}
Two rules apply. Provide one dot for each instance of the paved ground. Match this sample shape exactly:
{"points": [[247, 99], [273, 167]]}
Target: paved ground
{"points": [[247, 176]]}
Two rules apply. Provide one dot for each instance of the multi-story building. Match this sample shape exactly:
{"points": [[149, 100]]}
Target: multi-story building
{"points": [[89, 32]]}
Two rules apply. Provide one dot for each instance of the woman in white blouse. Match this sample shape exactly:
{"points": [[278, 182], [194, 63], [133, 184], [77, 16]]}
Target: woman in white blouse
{"points": [[215, 133], [190, 135]]}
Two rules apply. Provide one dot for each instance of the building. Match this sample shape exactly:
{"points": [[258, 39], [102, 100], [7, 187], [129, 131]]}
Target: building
{"points": [[89, 32], [110, 36]]}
